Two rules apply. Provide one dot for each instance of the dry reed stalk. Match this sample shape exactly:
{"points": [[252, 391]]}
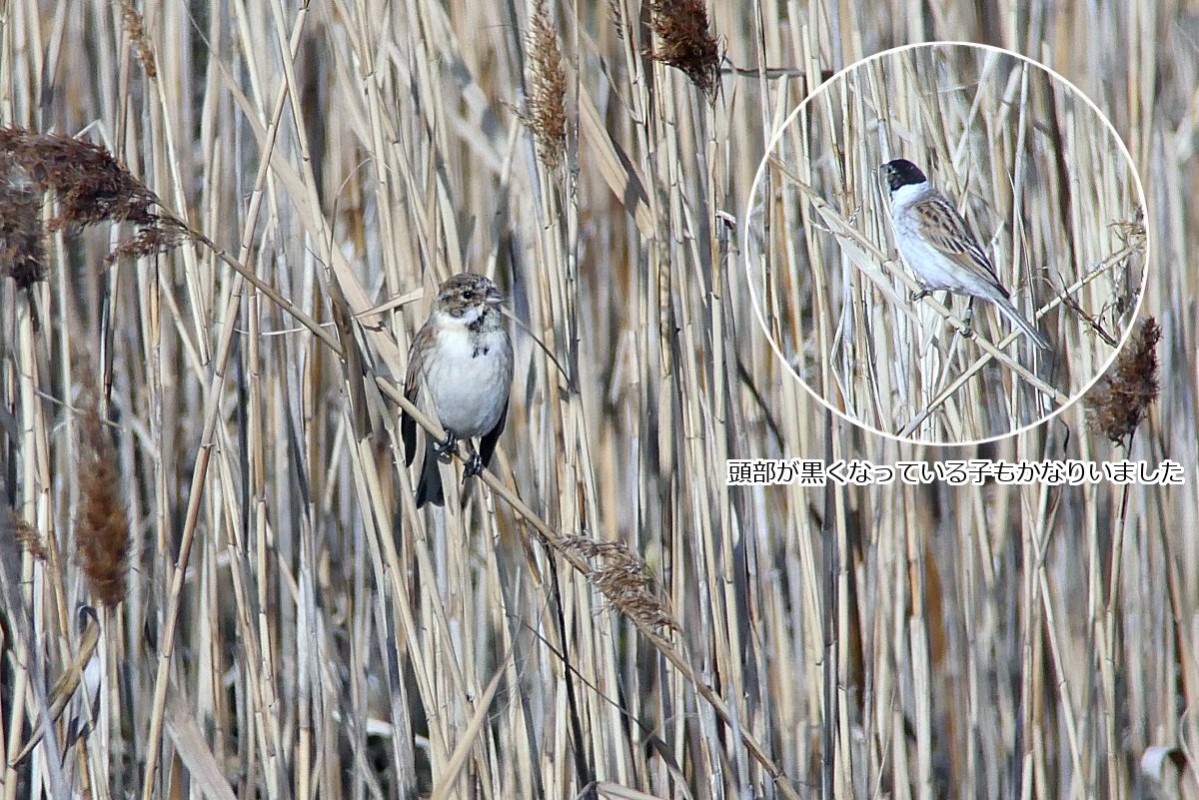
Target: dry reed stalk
{"points": [[327, 639]]}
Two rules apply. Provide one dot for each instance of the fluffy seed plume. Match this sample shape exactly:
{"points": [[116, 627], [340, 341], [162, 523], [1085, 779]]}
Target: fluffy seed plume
{"points": [[685, 42], [1121, 398], [136, 29], [101, 526], [27, 537], [620, 576], [162, 237], [22, 253], [90, 186], [547, 101]]}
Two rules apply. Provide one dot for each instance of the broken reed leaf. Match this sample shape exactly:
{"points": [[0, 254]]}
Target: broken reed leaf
{"points": [[90, 184], [1121, 398], [101, 525], [547, 101], [1154, 760], [685, 42]]}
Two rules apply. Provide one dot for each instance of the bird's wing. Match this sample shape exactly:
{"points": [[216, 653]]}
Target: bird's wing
{"points": [[412, 382], [944, 229]]}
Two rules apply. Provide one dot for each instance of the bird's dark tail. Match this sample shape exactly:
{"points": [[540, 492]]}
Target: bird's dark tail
{"points": [[428, 489], [1030, 330]]}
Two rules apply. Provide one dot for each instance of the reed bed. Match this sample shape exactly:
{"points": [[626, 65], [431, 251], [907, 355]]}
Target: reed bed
{"points": [[200, 344]]}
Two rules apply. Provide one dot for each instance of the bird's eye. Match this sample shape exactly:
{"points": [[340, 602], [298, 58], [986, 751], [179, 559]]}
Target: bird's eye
{"points": [[468, 295]]}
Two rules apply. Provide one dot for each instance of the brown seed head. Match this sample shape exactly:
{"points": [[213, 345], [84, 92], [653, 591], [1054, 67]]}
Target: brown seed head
{"points": [[685, 42], [1121, 398], [547, 100], [101, 526]]}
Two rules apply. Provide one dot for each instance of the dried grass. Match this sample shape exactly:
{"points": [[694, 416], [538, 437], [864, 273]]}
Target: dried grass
{"points": [[293, 627]]}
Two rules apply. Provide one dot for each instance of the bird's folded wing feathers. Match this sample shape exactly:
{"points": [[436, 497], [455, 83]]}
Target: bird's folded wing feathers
{"points": [[945, 230]]}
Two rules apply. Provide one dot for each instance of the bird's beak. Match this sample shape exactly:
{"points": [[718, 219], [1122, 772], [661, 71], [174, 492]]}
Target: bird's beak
{"points": [[494, 298]]}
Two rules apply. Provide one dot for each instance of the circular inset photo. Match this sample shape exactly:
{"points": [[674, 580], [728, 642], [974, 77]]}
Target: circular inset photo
{"points": [[947, 243]]}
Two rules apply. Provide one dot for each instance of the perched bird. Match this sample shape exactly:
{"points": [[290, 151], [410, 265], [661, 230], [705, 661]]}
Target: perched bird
{"points": [[934, 240], [462, 359]]}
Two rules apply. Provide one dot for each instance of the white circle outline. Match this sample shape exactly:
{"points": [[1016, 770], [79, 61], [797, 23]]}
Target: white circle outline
{"points": [[749, 266]]}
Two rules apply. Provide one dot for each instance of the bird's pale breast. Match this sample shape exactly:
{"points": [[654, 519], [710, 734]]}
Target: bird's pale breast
{"points": [[469, 379]]}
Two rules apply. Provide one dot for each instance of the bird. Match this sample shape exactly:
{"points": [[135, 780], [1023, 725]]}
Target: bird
{"points": [[461, 359], [934, 240]]}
